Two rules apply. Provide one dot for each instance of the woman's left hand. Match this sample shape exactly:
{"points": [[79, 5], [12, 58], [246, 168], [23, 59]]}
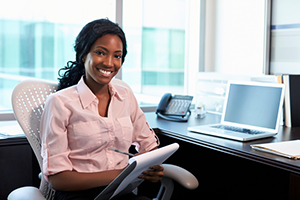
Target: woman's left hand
{"points": [[153, 175]]}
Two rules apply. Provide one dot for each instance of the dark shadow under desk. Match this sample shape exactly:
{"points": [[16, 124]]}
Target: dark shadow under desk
{"points": [[18, 165], [228, 169]]}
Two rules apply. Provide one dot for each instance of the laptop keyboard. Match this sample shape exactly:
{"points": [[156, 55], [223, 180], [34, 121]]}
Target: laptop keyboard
{"points": [[236, 129]]}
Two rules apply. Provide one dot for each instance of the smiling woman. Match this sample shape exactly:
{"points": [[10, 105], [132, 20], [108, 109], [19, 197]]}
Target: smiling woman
{"points": [[88, 115]]}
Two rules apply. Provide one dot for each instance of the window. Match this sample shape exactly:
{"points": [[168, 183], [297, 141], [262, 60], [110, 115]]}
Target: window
{"points": [[37, 37], [285, 40], [163, 42], [158, 36]]}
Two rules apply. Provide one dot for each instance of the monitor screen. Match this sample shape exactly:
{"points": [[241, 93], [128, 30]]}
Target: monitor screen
{"points": [[253, 105]]}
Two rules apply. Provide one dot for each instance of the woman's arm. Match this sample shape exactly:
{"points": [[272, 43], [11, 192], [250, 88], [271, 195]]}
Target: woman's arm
{"points": [[74, 181]]}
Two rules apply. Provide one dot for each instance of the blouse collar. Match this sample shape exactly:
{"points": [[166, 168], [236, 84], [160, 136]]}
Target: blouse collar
{"points": [[86, 96]]}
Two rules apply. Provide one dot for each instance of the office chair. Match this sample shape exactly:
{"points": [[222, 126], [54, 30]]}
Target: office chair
{"points": [[28, 100]]}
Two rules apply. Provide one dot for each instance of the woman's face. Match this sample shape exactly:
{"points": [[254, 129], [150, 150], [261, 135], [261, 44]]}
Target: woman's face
{"points": [[104, 60]]}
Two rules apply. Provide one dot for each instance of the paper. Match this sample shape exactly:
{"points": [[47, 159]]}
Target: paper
{"points": [[289, 149], [10, 129]]}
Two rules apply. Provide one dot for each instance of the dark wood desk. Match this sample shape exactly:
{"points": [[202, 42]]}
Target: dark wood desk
{"points": [[230, 169], [226, 169], [18, 165]]}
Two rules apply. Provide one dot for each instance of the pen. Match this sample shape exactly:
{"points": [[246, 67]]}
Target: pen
{"points": [[119, 151]]}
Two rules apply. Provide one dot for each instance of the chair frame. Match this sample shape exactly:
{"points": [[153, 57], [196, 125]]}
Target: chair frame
{"points": [[28, 100]]}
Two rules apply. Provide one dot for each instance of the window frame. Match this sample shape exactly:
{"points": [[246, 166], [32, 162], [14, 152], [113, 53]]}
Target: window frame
{"points": [[190, 67]]}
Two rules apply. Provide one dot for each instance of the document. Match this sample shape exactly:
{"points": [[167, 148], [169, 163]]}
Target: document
{"points": [[128, 180], [288, 149], [10, 129]]}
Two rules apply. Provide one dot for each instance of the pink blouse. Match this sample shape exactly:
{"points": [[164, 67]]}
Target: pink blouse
{"points": [[75, 137]]}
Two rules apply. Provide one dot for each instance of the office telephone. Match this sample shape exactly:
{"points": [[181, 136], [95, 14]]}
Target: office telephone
{"points": [[174, 108]]}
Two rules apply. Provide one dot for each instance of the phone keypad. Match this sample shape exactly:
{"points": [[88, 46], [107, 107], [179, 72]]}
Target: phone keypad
{"points": [[178, 107]]}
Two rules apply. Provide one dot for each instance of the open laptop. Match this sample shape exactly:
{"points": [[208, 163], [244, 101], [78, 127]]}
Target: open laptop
{"points": [[252, 110]]}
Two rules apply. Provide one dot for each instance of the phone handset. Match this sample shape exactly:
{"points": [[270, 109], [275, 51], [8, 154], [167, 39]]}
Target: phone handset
{"points": [[163, 104], [174, 108]]}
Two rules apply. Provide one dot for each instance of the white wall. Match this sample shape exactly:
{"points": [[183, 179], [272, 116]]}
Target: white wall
{"points": [[235, 36]]}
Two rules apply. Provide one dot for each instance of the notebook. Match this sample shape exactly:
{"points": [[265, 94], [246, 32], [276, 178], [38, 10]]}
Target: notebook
{"points": [[289, 149], [252, 110]]}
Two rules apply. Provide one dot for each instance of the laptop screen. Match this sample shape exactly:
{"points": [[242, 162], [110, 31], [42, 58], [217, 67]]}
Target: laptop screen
{"points": [[253, 104]]}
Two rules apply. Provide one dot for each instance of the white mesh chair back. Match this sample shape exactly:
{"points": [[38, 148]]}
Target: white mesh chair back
{"points": [[28, 100]]}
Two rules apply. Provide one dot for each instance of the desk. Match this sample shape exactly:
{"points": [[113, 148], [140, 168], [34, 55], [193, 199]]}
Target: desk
{"points": [[230, 169], [18, 165], [226, 169]]}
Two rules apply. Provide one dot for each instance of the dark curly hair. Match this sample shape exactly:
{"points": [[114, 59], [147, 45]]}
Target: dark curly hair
{"points": [[71, 74]]}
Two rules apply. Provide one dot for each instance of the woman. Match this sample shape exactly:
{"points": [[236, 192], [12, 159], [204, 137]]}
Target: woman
{"points": [[89, 114]]}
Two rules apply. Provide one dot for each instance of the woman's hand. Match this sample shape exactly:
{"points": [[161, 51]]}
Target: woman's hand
{"points": [[153, 175]]}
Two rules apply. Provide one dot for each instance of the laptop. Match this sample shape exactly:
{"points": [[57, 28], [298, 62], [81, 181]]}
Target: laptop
{"points": [[252, 110]]}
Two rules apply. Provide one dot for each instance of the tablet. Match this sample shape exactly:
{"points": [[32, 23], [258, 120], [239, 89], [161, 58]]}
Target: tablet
{"points": [[128, 180]]}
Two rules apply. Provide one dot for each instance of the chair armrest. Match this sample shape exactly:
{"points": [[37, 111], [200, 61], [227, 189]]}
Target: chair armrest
{"points": [[26, 193], [182, 176]]}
